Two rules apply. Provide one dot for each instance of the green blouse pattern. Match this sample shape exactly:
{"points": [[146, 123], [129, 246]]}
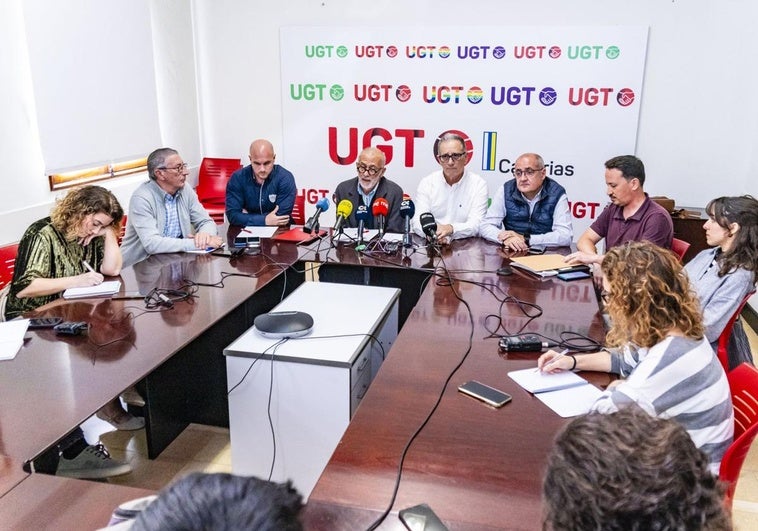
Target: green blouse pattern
{"points": [[44, 253]]}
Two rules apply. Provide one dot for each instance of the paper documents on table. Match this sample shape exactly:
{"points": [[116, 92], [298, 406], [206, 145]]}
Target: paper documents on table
{"points": [[566, 393], [545, 264], [266, 231], [109, 287], [12, 337]]}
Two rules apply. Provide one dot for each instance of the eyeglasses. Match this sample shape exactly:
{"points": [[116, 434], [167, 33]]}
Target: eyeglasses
{"points": [[362, 168], [529, 172], [455, 157], [605, 296], [179, 168]]}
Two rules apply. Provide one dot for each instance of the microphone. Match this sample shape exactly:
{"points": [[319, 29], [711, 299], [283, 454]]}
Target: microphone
{"points": [[312, 224], [407, 210], [344, 209], [362, 215], [429, 226], [380, 209]]}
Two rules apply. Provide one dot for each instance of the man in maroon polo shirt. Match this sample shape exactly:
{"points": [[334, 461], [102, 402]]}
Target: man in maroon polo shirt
{"points": [[630, 216]]}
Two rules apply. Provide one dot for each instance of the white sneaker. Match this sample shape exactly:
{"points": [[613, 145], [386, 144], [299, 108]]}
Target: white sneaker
{"points": [[94, 462]]}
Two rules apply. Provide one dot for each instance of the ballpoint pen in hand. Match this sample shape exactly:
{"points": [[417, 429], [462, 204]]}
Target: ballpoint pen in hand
{"points": [[89, 267], [549, 363]]}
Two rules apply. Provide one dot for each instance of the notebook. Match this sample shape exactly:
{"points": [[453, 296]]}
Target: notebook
{"points": [[566, 393], [109, 287], [297, 235]]}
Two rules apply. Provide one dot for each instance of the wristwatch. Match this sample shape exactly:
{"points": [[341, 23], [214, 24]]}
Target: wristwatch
{"points": [[526, 239]]}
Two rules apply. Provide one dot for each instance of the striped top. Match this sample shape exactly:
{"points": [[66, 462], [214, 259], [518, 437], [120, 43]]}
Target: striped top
{"points": [[680, 379]]}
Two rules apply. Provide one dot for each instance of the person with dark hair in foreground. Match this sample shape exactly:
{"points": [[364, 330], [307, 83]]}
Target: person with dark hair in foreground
{"points": [[628, 470], [223, 501]]}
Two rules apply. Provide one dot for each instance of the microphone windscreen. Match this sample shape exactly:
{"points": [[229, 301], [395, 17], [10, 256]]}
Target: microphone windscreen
{"points": [[407, 208], [380, 207], [361, 213], [428, 224], [345, 208], [323, 204]]}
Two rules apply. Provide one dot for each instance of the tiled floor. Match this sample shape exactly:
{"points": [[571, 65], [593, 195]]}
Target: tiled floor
{"points": [[204, 448]]}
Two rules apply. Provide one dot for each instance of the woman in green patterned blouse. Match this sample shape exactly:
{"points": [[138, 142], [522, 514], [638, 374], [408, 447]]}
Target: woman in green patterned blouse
{"points": [[82, 228]]}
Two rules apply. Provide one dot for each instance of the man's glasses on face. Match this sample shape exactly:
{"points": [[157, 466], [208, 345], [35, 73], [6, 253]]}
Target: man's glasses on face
{"points": [[371, 170], [529, 172], [179, 168], [455, 157]]}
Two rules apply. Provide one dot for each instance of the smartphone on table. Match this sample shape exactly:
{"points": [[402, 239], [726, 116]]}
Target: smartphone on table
{"points": [[485, 393], [44, 322]]}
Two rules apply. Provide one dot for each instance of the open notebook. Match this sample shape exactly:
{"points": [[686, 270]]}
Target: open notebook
{"points": [[109, 287], [566, 393]]}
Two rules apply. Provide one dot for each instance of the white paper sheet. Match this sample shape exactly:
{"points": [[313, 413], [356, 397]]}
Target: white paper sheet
{"points": [[12, 337]]}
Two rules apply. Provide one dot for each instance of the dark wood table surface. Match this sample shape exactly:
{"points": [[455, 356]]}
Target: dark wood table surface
{"points": [[478, 467], [56, 382], [50, 502]]}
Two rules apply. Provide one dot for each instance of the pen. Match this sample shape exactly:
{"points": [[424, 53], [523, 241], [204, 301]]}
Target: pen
{"points": [[89, 267], [559, 356]]}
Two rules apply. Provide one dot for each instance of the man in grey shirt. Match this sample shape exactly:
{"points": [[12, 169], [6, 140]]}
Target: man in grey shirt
{"points": [[164, 215]]}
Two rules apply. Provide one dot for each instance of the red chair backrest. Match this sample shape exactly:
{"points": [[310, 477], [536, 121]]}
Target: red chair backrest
{"points": [[8, 255], [743, 382], [213, 176], [122, 229], [298, 210], [721, 350], [679, 247]]}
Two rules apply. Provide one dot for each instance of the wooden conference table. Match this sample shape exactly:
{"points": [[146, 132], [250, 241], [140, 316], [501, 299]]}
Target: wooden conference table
{"points": [[477, 467], [56, 382]]}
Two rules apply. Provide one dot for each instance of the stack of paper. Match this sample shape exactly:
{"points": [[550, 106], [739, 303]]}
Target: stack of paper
{"points": [[12, 337], [545, 265], [566, 393], [109, 287]]}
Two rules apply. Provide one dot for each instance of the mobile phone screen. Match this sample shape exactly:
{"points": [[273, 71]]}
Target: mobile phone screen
{"points": [[485, 393], [421, 518], [573, 275]]}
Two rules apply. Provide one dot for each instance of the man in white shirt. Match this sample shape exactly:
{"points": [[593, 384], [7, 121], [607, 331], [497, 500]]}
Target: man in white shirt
{"points": [[456, 197], [530, 209]]}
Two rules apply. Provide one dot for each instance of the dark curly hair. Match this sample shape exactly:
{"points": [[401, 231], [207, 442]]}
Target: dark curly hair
{"points": [[630, 471], [69, 212], [743, 252], [649, 295]]}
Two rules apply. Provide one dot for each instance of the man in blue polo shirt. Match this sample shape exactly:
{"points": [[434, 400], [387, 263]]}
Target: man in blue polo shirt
{"points": [[262, 193]]}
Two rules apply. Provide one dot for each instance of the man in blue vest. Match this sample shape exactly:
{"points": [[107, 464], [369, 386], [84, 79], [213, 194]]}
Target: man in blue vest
{"points": [[530, 209]]}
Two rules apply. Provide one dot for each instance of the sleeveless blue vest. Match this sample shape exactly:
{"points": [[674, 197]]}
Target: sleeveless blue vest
{"points": [[517, 209]]}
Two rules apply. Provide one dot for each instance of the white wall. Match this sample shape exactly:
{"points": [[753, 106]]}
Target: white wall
{"points": [[695, 106], [26, 195]]}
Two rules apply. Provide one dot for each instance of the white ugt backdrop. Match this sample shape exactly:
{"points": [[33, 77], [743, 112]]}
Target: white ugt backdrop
{"points": [[571, 94]]}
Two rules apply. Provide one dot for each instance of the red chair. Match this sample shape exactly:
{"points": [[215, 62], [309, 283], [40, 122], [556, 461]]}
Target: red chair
{"points": [[743, 382], [211, 184], [679, 247], [721, 351], [122, 230], [8, 255], [298, 210]]}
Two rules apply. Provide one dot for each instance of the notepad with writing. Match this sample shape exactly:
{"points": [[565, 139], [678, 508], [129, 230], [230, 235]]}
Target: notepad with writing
{"points": [[566, 393], [109, 287]]}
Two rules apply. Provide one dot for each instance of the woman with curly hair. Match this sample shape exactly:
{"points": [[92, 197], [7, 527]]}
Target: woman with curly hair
{"points": [[82, 228], [723, 275], [628, 470], [657, 346]]}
